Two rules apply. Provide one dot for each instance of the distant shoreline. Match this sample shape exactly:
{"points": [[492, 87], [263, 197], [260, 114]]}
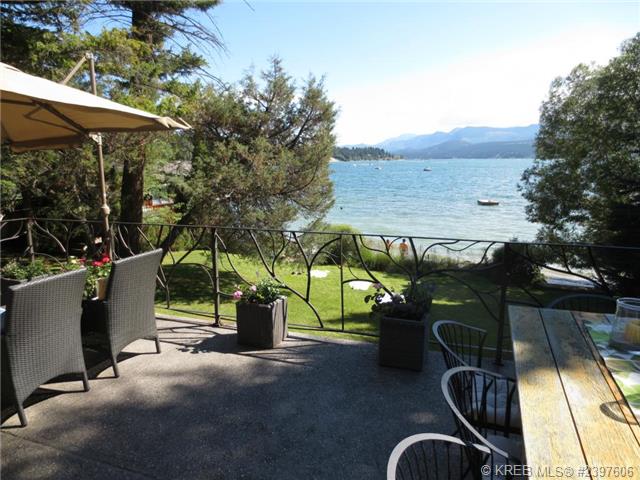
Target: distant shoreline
{"points": [[336, 160], [346, 154]]}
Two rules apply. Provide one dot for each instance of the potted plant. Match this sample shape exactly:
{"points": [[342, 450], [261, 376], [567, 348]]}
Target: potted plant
{"points": [[403, 324], [97, 277], [22, 270], [261, 314], [18, 271]]}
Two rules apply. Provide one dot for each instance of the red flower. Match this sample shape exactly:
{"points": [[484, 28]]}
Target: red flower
{"points": [[105, 259], [96, 264]]}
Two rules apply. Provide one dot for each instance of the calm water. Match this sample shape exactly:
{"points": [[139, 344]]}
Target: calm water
{"points": [[403, 199]]}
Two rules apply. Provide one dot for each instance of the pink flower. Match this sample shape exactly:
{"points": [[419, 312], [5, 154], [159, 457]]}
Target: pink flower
{"points": [[237, 295], [96, 264], [105, 259], [253, 288]]}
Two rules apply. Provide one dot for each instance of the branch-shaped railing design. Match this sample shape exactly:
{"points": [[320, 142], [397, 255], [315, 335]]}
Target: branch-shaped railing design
{"points": [[492, 273]]}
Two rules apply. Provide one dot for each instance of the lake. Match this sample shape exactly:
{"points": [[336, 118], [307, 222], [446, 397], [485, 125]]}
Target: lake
{"points": [[399, 197]]}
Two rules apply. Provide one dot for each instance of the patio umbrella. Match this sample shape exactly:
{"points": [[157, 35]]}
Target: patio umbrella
{"points": [[38, 114]]}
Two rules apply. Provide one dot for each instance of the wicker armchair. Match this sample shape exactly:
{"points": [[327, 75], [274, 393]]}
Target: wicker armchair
{"points": [[585, 302], [127, 313], [485, 408], [461, 344], [42, 337], [435, 456]]}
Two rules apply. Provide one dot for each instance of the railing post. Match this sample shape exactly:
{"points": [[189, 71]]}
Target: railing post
{"points": [[506, 273], [341, 285], [216, 277], [109, 240], [30, 247]]}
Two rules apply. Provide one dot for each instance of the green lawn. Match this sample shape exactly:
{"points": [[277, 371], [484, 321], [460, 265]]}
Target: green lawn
{"points": [[190, 289]]}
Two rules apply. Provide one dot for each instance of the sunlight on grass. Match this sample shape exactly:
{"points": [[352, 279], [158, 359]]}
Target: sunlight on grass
{"points": [[190, 290]]}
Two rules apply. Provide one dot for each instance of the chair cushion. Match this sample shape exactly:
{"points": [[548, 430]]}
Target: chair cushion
{"points": [[496, 405]]}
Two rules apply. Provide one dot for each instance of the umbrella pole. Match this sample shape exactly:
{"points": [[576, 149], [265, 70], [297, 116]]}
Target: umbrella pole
{"points": [[104, 208]]}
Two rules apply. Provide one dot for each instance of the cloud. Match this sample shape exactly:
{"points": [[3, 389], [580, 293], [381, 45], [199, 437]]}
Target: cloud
{"points": [[497, 88]]}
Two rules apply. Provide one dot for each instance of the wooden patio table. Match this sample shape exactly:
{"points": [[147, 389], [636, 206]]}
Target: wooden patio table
{"points": [[575, 421]]}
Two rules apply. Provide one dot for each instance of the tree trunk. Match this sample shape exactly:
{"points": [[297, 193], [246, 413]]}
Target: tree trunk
{"points": [[132, 189], [174, 233], [131, 201]]}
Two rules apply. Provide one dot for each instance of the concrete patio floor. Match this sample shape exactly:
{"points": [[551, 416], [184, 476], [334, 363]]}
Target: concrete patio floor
{"points": [[207, 408]]}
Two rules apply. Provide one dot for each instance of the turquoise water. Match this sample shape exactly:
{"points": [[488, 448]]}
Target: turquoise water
{"points": [[398, 197]]}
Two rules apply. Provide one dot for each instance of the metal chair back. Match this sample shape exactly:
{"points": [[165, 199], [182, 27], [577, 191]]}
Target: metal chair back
{"points": [[433, 456], [482, 403], [585, 302], [461, 344]]}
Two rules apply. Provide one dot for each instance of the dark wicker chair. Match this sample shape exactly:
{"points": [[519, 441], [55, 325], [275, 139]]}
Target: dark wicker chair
{"points": [[585, 302], [42, 337], [427, 456], [127, 313], [485, 408], [461, 344]]}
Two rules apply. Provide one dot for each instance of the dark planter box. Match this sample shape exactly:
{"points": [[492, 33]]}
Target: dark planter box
{"points": [[5, 283], [402, 342], [263, 326], [93, 317]]}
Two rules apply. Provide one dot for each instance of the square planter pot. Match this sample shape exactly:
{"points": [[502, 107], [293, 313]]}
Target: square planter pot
{"points": [[402, 342], [101, 288], [262, 326], [93, 317]]}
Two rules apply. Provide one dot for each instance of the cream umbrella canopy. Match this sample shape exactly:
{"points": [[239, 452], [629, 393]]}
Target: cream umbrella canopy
{"points": [[38, 114]]}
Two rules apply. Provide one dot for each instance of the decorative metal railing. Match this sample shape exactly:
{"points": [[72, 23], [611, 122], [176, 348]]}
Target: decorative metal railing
{"points": [[327, 274]]}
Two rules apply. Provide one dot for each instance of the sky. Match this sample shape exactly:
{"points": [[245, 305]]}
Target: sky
{"points": [[394, 68]]}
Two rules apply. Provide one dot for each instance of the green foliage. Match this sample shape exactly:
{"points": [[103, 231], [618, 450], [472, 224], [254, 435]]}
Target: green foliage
{"points": [[585, 183], [96, 270], [264, 292], [138, 63], [588, 149], [521, 270], [260, 153], [362, 153], [51, 184], [25, 270], [414, 302], [22, 269], [313, 242], [155, 223]]}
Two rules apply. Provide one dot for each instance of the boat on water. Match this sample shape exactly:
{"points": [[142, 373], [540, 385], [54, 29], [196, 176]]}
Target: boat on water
{"points": [[487, 202], [426, 169], [378, 168]]}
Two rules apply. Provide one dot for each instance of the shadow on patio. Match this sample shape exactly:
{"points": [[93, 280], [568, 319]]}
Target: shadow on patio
{"points": [[207, 408]]}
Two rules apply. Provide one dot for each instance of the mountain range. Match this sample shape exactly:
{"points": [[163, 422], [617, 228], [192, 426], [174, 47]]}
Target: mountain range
{"points": [[466, 142]]}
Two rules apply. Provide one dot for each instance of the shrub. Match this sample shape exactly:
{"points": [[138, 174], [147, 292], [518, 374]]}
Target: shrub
{"points": [[522, 271], [331, 254], [25, 270]]}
